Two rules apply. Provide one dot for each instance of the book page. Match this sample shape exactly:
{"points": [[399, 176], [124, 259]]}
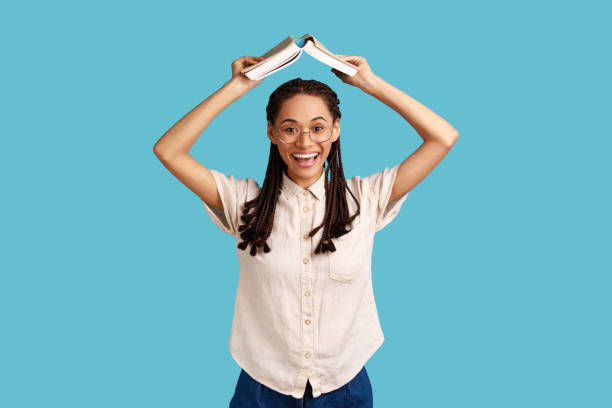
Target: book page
{"points": [[271, 53], [319, 45], [318, 51]]}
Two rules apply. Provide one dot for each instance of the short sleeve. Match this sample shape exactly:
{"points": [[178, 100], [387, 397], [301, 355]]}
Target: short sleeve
{"points": [[378, 188], [233, 192]]}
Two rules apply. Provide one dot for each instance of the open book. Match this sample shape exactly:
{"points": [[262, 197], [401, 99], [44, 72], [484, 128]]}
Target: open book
{"points": [[289, 50]]}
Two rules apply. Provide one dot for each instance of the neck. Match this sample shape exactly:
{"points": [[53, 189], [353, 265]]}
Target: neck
{"points": [[304, 183]]}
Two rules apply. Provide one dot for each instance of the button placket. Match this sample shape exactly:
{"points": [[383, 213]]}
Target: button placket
{"points": [[306, 278]]}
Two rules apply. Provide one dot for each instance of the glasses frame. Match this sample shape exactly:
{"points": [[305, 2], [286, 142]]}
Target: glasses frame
{"points": [[277, 130]]}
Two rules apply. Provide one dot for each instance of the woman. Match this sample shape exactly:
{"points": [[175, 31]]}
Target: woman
{"points": [[305, 320]]}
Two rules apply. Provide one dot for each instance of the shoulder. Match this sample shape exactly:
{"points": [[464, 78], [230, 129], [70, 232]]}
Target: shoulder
{"points": [[236, 185], [371, 186]]}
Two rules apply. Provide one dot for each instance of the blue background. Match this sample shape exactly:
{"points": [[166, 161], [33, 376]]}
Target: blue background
{"points": [[492, 284]]}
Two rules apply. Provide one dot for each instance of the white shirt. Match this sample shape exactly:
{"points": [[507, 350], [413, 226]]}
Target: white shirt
{"points": [[300, 315]]}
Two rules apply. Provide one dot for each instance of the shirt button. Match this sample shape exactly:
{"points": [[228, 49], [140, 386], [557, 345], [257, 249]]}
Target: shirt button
{"points": [[305, 260], [307, 321], [305, 192], [306, 209], [307, 355], [306, 236], [307, 293]]}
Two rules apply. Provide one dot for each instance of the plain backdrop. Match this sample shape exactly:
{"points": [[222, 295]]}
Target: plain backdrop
{"points": [[492, 284]]}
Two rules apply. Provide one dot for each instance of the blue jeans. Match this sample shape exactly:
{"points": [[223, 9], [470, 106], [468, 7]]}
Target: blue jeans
{"points": [[250, 393]]}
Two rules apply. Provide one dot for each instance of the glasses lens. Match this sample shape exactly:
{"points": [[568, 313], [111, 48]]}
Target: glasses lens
{"points": [[289, 133], [318, 133]]}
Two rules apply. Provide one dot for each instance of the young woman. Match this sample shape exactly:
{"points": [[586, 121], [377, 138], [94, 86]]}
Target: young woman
{"points": [[305, 321]]}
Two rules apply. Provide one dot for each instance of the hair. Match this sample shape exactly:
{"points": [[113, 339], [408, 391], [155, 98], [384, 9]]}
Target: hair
{"points": [[258, 224]]}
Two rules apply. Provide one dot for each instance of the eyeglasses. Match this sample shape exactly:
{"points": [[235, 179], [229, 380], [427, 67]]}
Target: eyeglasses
{"points": [[319, 133]]}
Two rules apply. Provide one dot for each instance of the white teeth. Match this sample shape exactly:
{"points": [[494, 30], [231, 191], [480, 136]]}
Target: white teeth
{"points": [[305, 156]]}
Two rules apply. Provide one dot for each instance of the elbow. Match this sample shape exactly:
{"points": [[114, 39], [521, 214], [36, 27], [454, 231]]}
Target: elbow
{"points": [[450, 141], [156, 150], [159, 153], [165, 155]]}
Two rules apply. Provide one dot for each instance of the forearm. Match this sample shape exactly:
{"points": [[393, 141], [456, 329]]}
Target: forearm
{"points": [[182, 135], [427, 123]]}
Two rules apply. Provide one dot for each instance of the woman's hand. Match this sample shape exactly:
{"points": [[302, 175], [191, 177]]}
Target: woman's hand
{"points": [[363, 78], [242, 80]]}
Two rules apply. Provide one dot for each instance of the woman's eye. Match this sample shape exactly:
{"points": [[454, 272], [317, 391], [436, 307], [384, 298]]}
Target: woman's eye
{"points": [[319, 128], [289, 130]]}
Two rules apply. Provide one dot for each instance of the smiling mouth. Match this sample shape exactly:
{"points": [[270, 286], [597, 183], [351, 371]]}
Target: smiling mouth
{"points": [[306, 160]]}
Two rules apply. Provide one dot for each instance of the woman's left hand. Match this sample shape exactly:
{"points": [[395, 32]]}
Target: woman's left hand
{"points": [[363, 78]]}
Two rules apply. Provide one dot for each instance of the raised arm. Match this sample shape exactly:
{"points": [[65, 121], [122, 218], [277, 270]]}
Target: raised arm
{"points": [[438, 135], [172, 149]]}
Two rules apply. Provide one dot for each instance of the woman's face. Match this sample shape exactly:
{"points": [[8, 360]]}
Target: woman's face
{"points": [[303, 109]]}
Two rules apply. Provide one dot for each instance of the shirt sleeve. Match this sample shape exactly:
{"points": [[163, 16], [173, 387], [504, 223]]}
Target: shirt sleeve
{"points": [[378, 188], [233, 192]]}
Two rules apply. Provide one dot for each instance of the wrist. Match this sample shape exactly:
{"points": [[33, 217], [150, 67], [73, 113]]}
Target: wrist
{"points": [[236, 85], [371, 83]]}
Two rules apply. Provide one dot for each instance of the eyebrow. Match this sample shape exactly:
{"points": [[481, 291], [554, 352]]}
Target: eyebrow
{"points": [[295, 121]]}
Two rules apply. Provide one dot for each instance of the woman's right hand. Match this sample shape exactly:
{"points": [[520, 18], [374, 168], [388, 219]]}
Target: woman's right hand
{"points": [[242, 80]]}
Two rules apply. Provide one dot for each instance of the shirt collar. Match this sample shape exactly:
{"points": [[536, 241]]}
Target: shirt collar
{"points": [[290, 188]]}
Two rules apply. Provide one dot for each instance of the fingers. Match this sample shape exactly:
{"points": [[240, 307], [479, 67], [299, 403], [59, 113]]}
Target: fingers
{"points": [[249, 59], [352, 59], [246, 61]]}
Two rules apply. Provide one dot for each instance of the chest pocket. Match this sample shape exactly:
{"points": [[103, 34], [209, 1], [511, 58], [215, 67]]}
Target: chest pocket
{"points": [[345, 263]]}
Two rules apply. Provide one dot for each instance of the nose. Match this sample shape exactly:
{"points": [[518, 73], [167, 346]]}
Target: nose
{"points": [[304, 139]]}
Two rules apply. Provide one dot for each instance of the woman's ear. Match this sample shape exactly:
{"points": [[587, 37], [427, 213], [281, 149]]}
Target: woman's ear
{"points": [[270, 133], [336, 134]]}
